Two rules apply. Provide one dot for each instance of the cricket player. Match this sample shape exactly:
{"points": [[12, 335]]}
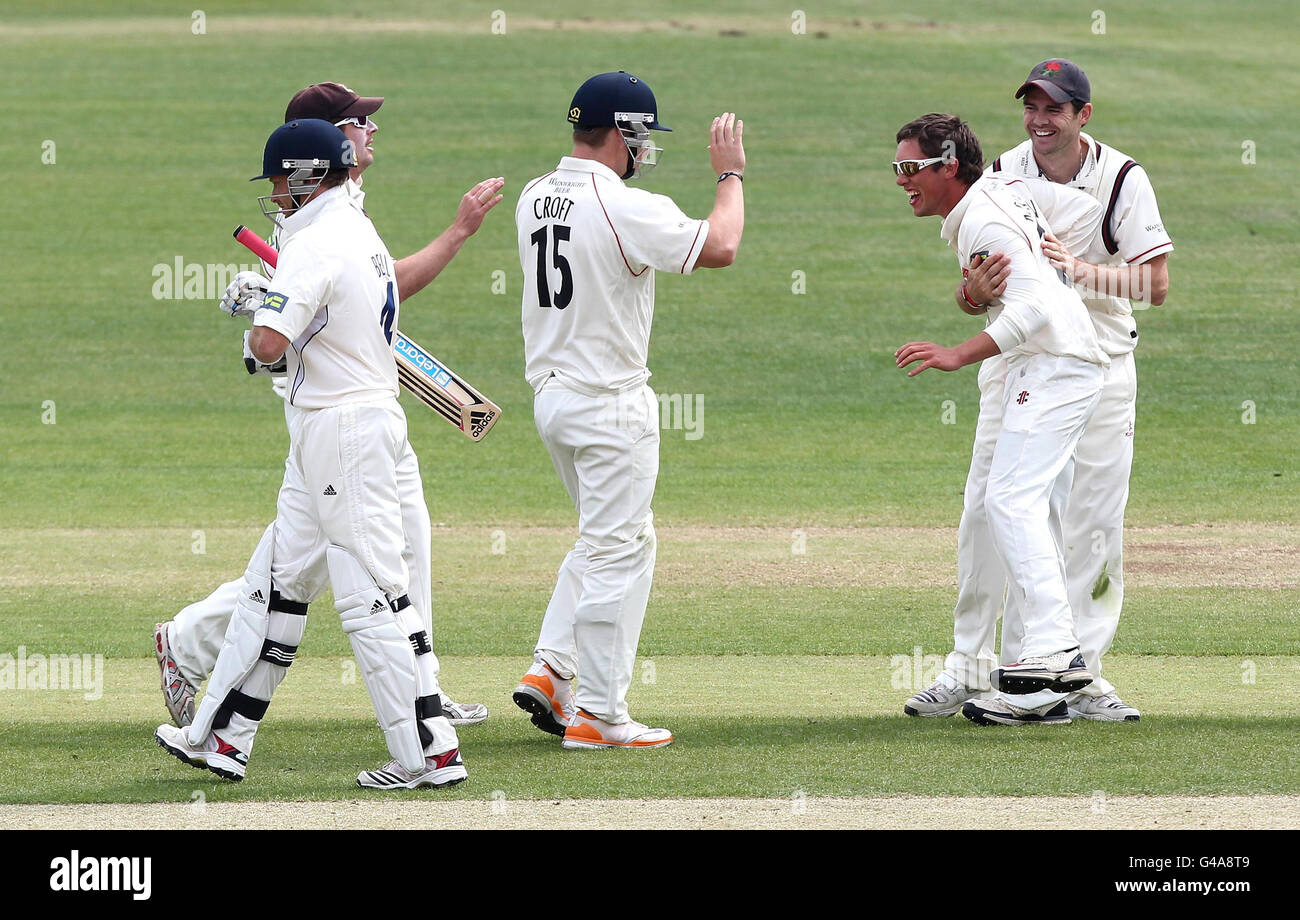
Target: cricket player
{"points": [[1126, 260], [589, 247], [335, 301], [187, 646], [1054, 370]]}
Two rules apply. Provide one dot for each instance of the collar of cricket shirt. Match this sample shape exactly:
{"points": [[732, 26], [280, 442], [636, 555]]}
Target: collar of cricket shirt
{"points": [[310, 211], [952, 223], [357, 196], [1089, 174], [582, 164]]}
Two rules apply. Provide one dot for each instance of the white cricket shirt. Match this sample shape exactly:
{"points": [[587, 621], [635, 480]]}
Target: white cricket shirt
{"points": [[1132, 233], [334, 296], [1039, 312], [589, 247], [1075, 218]]}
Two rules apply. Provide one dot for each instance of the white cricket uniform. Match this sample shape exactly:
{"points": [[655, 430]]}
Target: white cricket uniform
{"points": [[1054, 369], [196, 632], [1132, 232], [589, 247], [334, 297], [1075, 219]]}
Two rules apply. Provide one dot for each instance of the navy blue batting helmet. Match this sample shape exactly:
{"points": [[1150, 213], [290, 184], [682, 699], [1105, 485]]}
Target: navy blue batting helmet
{"points": [[610, 99], [307, 143]]}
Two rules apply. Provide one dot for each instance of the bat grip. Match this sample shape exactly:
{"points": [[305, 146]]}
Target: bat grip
{"points": [[256, 245]]}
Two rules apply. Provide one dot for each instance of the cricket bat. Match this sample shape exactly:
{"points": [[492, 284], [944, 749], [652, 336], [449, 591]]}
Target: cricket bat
{"points": [[429, 379]]}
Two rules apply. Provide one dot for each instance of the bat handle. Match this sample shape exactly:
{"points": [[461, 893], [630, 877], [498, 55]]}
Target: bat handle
{"points": [[256, 245]]}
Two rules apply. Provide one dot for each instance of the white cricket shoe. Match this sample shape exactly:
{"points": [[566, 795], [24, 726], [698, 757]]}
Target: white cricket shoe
{"points": [[215, 755], [440, 771], [464, 713], [546, 696], [942, 698], [1060, 672], [1107, 707], [1002, 712], [178, 693], [588, 733]]}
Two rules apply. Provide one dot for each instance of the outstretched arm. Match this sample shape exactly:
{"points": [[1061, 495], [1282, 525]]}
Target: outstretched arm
{"points": [[727, 221], [1148, 281], [416, 271], [946, 359]]}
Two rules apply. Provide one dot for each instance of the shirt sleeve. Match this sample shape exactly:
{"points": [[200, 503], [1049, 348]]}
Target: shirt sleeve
{"points": [[1023, 309], [1135, 221], [655, 232], [302, 285]]}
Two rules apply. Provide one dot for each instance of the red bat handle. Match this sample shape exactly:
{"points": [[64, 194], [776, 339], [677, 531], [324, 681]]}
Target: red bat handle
{"points": [[258, 246]]}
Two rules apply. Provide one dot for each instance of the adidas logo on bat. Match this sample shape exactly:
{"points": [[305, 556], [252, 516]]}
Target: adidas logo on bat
{"points": [[479, 421]]}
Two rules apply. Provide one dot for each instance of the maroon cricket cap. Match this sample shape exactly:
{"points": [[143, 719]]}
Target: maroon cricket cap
{"points": [[1061, 79], [330, 102]]}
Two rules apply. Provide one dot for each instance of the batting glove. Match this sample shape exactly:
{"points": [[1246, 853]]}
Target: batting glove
{"points": [[244, 295]]}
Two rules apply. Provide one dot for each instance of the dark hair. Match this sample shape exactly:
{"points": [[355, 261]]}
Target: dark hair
{"points": [[947, 136], [593, 137], [335, 177]]}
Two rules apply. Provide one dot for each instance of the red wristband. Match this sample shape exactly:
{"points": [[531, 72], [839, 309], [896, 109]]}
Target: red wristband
{"points": [[966, 297]]}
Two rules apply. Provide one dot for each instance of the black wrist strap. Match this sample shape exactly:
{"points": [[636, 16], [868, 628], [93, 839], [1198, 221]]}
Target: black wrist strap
{"points": [[731, 173]]}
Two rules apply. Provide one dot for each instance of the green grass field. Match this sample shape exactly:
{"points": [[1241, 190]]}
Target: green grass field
{"points": [[132, 436]]}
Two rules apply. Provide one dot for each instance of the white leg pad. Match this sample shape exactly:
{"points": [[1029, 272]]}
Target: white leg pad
{"points": [[437, 735], [245, 637], [383, 650]]}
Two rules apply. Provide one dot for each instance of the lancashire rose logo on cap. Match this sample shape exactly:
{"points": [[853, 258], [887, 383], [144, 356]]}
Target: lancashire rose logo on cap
{"points": [[1051, 68]]}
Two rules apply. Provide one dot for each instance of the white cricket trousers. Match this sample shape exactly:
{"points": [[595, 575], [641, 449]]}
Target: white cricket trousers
{"points": [[1047, 401], [981, 577], [347, 457], [1094, 527], [1063, 394], [197, 632], [605, 448]]}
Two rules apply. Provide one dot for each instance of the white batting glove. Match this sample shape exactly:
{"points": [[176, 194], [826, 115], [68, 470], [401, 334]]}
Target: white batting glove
{"points": [[244, 295]]}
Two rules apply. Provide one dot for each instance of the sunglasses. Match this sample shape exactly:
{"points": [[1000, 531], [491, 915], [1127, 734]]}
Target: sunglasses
{"points": [[361, 121], [912, 167]]}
